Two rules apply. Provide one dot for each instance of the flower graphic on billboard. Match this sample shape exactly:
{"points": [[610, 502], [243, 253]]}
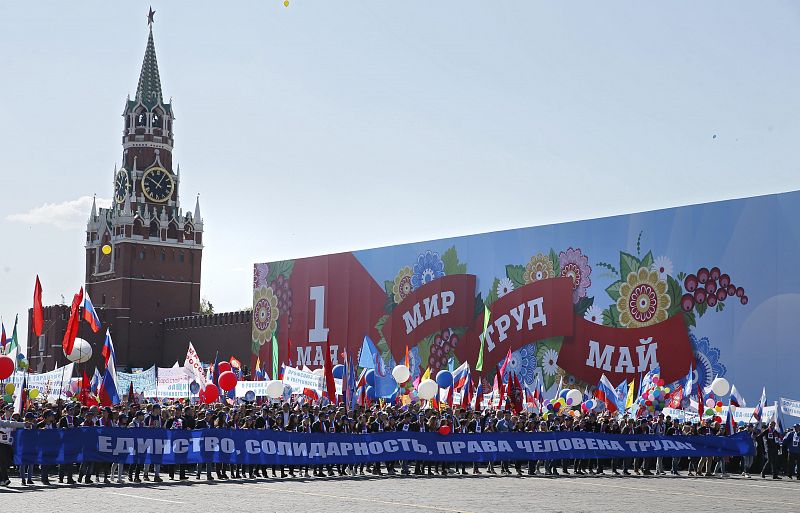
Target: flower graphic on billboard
{"points": [[504, 286], [523, 364], [708, 365], [643, 299], [265, 315], [539, 268], [429, 266], [575, 265], [402, 284]]}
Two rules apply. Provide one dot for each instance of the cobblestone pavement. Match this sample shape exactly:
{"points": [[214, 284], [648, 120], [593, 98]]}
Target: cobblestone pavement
{"points": [[412, 493]]}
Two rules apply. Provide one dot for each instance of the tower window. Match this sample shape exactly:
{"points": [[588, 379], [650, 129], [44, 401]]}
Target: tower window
{"points": [[180, 258], [141, 119], [154, 228], [141, 255], [163, 256], [104, 299]]}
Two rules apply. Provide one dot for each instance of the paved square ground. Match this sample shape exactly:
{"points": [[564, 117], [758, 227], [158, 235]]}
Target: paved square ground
{"points": [[416, 493]]}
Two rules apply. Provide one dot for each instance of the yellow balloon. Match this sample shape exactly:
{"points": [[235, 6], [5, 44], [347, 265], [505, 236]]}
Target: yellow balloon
{"points": [[33, 394], [106, 249], [10, 388], [286, 3]]}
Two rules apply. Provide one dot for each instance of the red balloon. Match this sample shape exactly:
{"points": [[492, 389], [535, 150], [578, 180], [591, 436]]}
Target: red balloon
{"points": [[6, 366], [224, 367], [719, 403], [210, 394], [444, 430], [227, 380]]}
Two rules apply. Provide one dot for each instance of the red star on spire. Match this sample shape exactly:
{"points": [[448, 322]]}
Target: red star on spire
{"points": [[150, 15]]}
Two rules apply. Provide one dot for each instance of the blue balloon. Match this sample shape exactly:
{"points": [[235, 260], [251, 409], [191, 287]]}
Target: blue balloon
{"points": [[564, 393], [371, 392], [20, 356], [338, 371], [444, 379], [370, 377]]}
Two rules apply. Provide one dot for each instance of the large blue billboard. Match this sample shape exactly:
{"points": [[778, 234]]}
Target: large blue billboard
{"points": [[710, 287]]}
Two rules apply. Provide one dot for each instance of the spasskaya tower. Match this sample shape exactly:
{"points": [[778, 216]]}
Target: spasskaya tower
{"points": [[153, 270]]}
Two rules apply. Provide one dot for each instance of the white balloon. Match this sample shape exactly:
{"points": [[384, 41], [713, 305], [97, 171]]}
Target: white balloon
{"points": [[576, 396], [720, 386], [401, 373], [319, 372], [81, 351], [427, 389], [275, 389]]}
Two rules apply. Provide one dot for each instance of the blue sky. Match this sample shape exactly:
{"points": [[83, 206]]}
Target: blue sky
{"points": [[332, 126]]}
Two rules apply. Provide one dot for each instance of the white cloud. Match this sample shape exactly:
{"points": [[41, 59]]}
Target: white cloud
{"points": [[66, 215]]}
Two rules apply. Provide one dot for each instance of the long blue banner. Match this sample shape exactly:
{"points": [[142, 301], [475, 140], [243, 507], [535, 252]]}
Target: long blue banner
{"points": [[264, 447]]}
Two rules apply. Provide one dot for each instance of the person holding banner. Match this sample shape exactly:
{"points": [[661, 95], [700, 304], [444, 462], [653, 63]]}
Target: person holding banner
{"points": [[747, 461], [70, 420], [7, 427]]}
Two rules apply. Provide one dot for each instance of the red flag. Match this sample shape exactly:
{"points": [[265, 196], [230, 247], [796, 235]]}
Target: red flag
{"points": [[479, 394], [38, 311], [505, 364], [289, 351], [517, 402], [83, 397], [500, 388], [330, 384], [72, 325], [700, 401], [408, 360], [311, 394]]}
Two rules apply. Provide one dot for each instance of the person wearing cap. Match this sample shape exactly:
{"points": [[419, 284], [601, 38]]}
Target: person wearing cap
{"points": [[791, 442]]}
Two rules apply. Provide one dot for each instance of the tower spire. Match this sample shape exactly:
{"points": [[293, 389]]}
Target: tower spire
{"points": [[149, 88]]}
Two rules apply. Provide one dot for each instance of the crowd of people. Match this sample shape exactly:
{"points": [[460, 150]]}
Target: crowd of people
{"points": [[776, 454]]}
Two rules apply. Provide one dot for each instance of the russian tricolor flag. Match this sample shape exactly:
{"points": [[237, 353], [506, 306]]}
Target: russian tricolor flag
{"points": [[90, 315], [108, 351], [461, 375], [606, 393], [107, 392]]}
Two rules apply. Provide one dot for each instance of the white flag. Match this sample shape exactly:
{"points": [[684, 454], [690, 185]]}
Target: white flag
{"points": [[194, 367]]}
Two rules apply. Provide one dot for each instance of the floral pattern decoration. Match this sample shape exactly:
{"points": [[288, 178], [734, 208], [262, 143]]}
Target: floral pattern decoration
{"points": [[707, 358], [539, 268], [643, 299], [429, 266], [265, 315], [504, 286], [523, 364], [402, 284], [575, 265], [260, 273]]}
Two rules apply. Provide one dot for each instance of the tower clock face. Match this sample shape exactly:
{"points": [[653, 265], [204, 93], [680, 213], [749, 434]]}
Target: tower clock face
{"points": [[122, 186], [157, 184]]}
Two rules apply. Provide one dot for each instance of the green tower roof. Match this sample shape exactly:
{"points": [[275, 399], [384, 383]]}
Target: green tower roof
{"points": [[149, 88]]}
